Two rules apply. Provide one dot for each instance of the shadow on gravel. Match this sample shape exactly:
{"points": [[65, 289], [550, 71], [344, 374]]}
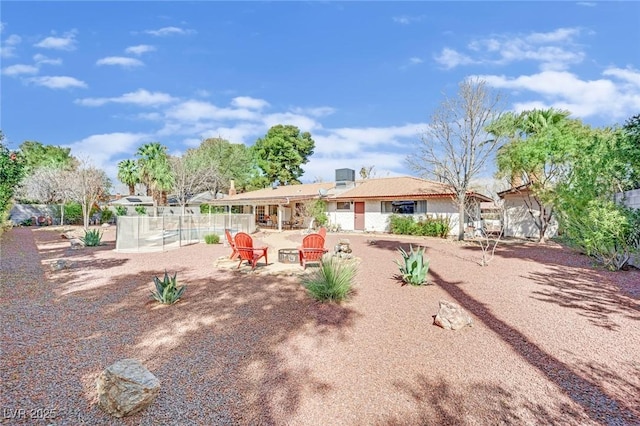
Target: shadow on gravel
{"points": [[438, 403], [584, 291], [220, 353], [597, 404]]}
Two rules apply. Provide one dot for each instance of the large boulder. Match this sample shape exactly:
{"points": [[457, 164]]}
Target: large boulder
{"points": [[451, 316], [126, 387]]}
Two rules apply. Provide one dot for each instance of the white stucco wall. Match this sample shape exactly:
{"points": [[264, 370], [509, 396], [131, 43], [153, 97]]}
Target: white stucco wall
{"points": [[629, 198], [376, 221], [519, 223]]}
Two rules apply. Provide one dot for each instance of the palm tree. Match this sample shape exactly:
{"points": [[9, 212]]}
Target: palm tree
{"points": [[154, 169], [128, 174]]}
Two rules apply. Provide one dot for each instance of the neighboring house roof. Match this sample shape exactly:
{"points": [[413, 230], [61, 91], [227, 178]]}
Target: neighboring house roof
{"points": [[133, 200], [401, 188], [515, 190], [279, 195]]}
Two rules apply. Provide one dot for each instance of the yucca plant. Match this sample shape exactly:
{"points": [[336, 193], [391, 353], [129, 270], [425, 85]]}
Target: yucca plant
{"points": [[414, 268], [167, 291], [91, 238], [332, 281]]}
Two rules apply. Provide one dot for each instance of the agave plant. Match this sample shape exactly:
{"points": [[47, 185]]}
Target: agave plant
{"points": [[91, 238], [415, 267], [167, 291]]}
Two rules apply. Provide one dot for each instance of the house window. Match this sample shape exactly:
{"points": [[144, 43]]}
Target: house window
{"points": [[403, 207], [343, 205]]}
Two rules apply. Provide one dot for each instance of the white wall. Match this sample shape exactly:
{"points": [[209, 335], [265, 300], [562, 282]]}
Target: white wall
{"points": [[519, 223], [629, 198], [376, 221]]}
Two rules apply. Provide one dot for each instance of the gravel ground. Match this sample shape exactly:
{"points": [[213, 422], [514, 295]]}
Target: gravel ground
{"points": [[554, 340]]}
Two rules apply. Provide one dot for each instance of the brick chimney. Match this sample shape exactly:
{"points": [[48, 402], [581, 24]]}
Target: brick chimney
{"points": [[232, 187]]}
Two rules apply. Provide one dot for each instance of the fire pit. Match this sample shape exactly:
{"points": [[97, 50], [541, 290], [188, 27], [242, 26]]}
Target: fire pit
{"points": [[288, 255]]}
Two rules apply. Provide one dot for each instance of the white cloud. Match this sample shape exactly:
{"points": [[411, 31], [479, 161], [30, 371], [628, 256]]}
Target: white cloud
{"points": [[314, 111], [587, 3], [120, 61], [41, 59], [19, 69], [584, 98], [192, 111], [166, 31], [249, 103], [449, 58], [66, 42], [139, 49], [553, 50], [415, 60], [140, 97], [57, 82], [7, 50], [304, 123], [106, 149], [406, 20]]}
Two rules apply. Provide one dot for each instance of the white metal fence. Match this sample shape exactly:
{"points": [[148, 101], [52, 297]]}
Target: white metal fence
{"points": [[159, 233]]}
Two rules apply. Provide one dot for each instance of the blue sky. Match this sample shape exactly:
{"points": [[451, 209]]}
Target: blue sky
{"points": [[362, 77]]}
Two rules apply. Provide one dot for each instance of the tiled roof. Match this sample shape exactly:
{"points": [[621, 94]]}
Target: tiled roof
{"points": [[280, 194], [397, 187]]}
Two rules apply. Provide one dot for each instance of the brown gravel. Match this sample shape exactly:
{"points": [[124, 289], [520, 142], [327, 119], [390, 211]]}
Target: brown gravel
{"points": [[554, 341]]}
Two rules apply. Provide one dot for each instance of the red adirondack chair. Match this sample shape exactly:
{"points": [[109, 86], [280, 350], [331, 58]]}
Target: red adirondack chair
{"points": [[247, 252], [234, 254], [323, 232], [311, 250]]}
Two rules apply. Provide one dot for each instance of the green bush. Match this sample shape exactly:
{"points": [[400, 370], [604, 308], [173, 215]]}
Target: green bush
{"points": [[167, 291], [141, 210], [414, 268], [212, 238], [91, 238], [105, 215], [73, 213], [403, 225], [332, 281], [121, 210], [430, 227], [606, 231], [206, 208]]}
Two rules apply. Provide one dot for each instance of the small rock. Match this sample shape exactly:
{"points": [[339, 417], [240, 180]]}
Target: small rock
{"points": [[451, 316], [106, 225], [76, 243], [126, 387], [60, 264]]}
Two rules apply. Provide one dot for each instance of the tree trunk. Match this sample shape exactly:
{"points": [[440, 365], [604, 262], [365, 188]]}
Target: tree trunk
{"points": [[132, 190], [461, 215], [62, 214]]}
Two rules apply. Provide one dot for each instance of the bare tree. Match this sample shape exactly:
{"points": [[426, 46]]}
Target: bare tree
{"points": [[87, 185], [489, 231], [48, 185], [192, 174], [366, 172], [456, 147]]}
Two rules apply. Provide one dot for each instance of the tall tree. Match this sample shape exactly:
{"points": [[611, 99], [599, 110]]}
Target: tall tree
{"points": [[36, 155], [87, 186], [192, 174], [282, 152], [229, 161], [538, 152], [128, 174], [456, 147], [632, 149], [155, 171]]}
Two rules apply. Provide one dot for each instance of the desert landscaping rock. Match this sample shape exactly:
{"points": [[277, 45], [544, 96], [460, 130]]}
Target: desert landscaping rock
{"points": [[451, 316], [61, 264], [126, 387]]}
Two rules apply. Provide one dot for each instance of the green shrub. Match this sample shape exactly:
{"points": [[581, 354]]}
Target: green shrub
{"points": [[414, 268], [206, 208], [332, 281], [105, 215], [402, 225], [91, 238], [141, 210], [606, 231], [430, 227], [121, 210], [73, 213], [167, 291], [212, 238], [27, 222]]}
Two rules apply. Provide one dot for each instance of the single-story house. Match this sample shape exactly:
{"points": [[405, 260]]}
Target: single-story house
{"points": [[522, 211], [356, 205]]}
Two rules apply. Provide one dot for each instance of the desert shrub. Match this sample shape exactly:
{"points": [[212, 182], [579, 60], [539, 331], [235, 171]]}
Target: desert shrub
{"points": [[167, 291], [430, 226], [106, 215], [91, 238], [141, 210], [332, 281], [607, 231], [402, 225], [121, 210], [413, 268], [212, 238]]}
